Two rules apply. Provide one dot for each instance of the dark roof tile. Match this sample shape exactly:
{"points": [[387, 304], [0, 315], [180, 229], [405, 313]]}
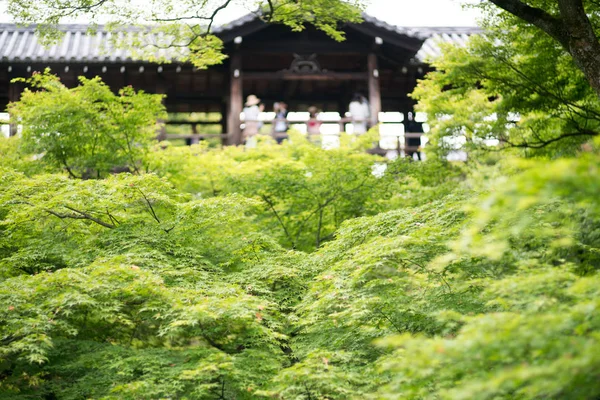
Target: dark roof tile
{"points": [[20, 44]]}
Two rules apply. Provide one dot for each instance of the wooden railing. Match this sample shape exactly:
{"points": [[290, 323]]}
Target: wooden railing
{"points": [[196, 137]]}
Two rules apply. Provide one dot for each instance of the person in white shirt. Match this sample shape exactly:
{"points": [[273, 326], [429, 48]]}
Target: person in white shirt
{"points": [[251, 123], [360, 113]]}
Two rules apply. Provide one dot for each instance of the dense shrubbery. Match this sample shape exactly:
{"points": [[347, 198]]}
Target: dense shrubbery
{"points": [[294, 272], [434, 280]]}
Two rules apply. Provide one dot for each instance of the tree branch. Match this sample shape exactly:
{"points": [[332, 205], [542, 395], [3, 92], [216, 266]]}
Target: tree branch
{"points": [[80, 215], [214, 14], [271, 10], [152, 212], [272, 207], [582, 42], [423, 268], [85, 9], [384, 315], [544, 143], [535, 16]]}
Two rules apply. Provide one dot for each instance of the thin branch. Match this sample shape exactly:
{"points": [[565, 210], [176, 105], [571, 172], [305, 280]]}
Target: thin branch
{"points": [[272, 207], [152, 212], [271, 10], [214, 14], [71, 174], [5, 341], [422, 267], [543, 89], [545, 143], [390, 321], [112, 218], [74, 10], [529, 84], [81, 215], [319, 227]]}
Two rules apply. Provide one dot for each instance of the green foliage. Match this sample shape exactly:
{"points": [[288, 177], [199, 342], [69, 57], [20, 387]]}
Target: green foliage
{"points": [[292, 272], [306, 192], [512, 83], [324, 14], [87, 130], [12, 158], [535, 247], [137, 272], [482, 285]]}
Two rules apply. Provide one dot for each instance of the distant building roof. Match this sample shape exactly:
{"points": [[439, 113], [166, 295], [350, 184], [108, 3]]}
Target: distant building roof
{"points": [[436, 36], [21, 44]]}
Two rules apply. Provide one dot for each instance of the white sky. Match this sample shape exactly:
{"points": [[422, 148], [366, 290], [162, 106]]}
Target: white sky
{"points": [[401, 12], [422, 12], [395, 12]]}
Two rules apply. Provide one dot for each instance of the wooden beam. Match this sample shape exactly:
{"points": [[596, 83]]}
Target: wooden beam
{"points": [[175, 122], [304, 47], [195, 137], [403, 41], [236, 100], [290, 76], [248, 28], [374, 88]]}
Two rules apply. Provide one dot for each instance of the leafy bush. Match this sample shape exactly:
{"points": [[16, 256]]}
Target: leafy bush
{"points": [[296, 273], [87, 130]]}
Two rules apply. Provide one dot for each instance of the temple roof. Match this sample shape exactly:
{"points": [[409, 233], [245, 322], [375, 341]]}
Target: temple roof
{"points": [[21, 44]]}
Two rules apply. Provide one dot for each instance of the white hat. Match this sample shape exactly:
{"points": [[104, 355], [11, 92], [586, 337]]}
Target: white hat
{"points": [[252, 100]]}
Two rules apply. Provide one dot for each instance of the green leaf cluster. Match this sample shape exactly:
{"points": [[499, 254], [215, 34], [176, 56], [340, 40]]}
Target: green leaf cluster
{"points": [[293, 272], [88, 130], [512, 84]]}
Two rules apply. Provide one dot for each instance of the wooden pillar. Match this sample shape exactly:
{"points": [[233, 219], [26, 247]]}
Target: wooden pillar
{"points": [[235, 100], [223, 122], [195, 139], [374, 88], [14, 94], [161, 133]]}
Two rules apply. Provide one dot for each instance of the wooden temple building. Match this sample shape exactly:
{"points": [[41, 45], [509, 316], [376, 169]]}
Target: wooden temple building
{"points": [[302, 69]]}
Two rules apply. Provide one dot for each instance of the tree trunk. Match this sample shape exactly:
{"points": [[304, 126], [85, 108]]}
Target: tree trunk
{"points": [[583, 44], [572, 29]]}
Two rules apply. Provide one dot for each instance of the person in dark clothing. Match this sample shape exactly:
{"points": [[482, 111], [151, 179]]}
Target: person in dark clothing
{"points": [[412, 126], [280, 124]]}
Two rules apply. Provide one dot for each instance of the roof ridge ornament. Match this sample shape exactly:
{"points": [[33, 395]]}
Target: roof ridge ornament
{"points": [[305, 64]]}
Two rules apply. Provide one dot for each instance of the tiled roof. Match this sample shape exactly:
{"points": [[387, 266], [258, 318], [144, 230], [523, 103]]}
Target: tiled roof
{"points": [[236, 23], [21, 44], [436, 36], [415, 32]]}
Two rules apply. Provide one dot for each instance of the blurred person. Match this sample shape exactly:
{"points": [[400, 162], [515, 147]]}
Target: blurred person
{"points": [[251, 122], [313, 125], [360, 113], [280, 124]]}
